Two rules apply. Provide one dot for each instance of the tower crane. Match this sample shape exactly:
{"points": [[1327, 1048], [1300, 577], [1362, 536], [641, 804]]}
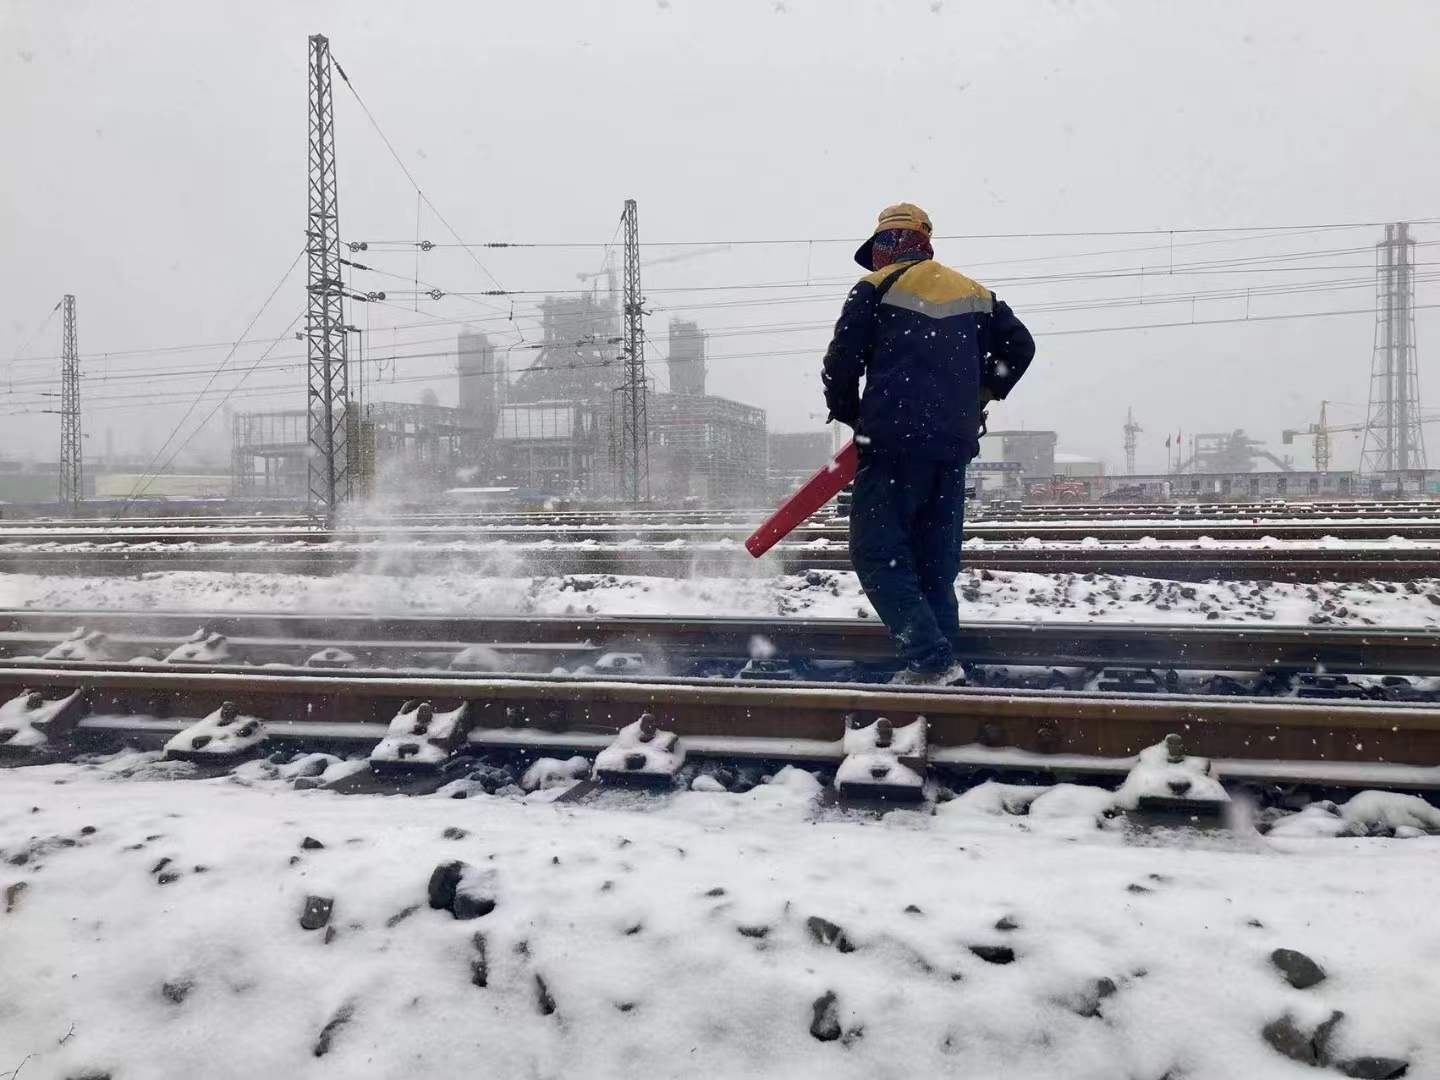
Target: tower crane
{"points": [[1322, 430]]}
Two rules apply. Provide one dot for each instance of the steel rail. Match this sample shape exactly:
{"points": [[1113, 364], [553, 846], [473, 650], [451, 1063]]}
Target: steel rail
{"points": [[262, 637], [1191, 564], [1287, 529], [544, 709]]}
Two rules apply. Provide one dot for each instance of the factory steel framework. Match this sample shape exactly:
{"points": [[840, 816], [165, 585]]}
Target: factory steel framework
{"points": [[72, 473], [633, 466], [1393, 440], [325, 335]]}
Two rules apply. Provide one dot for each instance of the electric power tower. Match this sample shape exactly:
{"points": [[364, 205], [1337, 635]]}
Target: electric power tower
{"points": [[634, 425], [1393, 439], [1131, 430], [325, 334], [72, 472]]}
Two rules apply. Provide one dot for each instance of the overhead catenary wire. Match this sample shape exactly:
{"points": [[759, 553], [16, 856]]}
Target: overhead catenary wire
{"points": [[219, 368], [495, 314], [1174, 230], [419, 191], [1098, 304], [1042, 334]]}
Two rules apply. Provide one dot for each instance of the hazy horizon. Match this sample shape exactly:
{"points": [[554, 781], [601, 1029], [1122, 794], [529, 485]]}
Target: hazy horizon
{"points": [[1067, 152]]}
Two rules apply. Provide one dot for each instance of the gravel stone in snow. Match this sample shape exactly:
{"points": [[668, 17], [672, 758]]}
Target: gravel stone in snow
{"points": [[701, 1005], [1374, 1068], [342, 1016], [1002, 595], [825, 1017], [443, 880], [825, 932], [1299, 970], [317, 912], [994, 954]]}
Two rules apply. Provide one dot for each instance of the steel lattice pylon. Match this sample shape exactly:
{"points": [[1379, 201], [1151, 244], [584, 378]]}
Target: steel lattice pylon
{"points": [[1393, 440], [634, 457], [72, 472], [329, 389]]}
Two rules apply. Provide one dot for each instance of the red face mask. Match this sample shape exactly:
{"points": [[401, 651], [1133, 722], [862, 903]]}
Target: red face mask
{"points": [[893, 245]]}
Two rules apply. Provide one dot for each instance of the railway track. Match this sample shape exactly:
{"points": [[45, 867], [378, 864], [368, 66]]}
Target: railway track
{"points": [[708, 645], [1287, 529], [1086, 512], [976, 730], [777, 690], [1201, 562]]}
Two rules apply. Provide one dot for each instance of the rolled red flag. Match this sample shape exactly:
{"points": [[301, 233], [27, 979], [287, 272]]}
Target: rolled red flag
{"points": [[812, 495]]}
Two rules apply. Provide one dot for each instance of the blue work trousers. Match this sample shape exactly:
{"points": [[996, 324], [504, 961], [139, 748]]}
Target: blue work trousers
{"points": [[906, 519]]}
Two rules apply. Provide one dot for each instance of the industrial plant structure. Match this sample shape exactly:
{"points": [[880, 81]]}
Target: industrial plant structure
{"points": [[548, 426]]}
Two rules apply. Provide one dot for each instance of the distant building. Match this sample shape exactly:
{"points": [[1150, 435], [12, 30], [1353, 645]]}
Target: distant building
{"points": [[687, 358], [707, 448], [1033, 450], [795, 456], [1074, 466]]}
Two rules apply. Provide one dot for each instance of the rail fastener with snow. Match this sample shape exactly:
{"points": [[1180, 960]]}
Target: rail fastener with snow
{"points": [[883, 761], [642, 755], [31, 723], [421, 738], [1167, 784], [226, 735], [201, 647], [92, 646]]}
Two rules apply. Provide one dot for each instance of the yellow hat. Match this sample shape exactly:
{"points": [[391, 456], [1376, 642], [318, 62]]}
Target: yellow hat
{"points": [[900, 216]]}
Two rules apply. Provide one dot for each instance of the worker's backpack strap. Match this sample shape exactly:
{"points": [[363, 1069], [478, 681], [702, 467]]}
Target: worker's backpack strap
{"points": [[885, 285]]}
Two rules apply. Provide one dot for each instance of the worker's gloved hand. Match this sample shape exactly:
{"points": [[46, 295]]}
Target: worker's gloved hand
{"points": [[984, 418]]}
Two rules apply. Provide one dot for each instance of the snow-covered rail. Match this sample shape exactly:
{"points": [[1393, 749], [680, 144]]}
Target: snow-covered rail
{"points": [[1037, 730], [715, 646]]}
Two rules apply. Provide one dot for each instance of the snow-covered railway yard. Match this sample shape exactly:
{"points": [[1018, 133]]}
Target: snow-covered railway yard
{"points": [[161, 924], [744, 921]]}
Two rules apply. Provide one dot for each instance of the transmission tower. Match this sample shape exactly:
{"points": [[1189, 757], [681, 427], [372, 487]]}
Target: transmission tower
{"points": [[71, 468], [325, 333], [1131, 430], [634, 389], [1393, 439]]}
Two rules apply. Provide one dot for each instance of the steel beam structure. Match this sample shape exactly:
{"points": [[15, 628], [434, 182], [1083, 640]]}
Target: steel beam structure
{"points": [[72, 472], [325, 334], [634, 428], [1393, 435]]}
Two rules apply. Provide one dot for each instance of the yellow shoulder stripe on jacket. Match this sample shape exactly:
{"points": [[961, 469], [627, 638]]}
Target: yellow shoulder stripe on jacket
{"points": [[879, 276], [938, 292]]}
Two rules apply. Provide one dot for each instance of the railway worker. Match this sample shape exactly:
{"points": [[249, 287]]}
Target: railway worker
{"points": [[934, 348]]}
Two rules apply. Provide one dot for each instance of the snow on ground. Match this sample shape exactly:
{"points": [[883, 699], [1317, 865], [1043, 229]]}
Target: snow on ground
{"points": [[152, 928], [817, 594]]}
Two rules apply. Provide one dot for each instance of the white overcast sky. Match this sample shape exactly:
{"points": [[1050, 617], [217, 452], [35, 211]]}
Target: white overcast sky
{"points": [[154, 165]]}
